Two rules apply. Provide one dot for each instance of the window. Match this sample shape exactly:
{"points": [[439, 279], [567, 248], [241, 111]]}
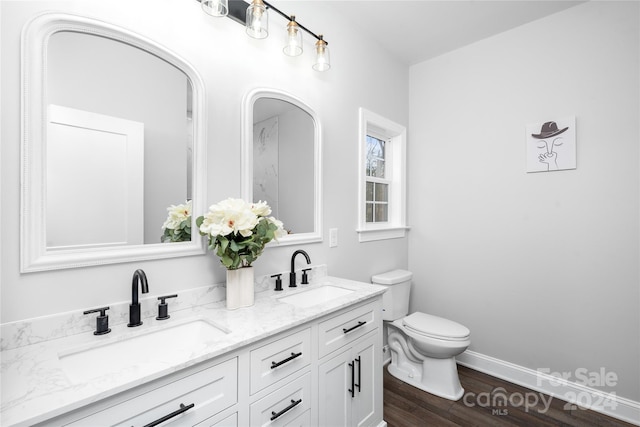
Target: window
{"points": [[377, 191], [382, 193]]}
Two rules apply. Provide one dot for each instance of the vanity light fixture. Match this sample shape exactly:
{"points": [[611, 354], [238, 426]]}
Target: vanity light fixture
{"points": [[255, 18], [257, 21], [322, 55], [293, 40], [217, 8]]}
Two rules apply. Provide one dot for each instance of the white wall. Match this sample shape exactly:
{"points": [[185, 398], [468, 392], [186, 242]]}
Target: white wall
{"points": [[543, 268], [231, 65]]}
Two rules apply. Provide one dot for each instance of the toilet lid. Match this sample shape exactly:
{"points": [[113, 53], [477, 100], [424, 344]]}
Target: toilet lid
{"points": [[434, 326]]}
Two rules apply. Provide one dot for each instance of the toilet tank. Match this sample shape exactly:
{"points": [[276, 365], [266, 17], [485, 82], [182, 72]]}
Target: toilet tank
{"points": [[395, 301]]}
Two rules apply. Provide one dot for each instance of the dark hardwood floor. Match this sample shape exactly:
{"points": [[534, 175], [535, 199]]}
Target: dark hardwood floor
{"points": [[488, 401]]}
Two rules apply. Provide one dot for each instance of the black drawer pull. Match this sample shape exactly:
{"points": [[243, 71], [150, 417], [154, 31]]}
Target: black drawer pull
{"points": [[183, 408], [294, 403], [352, 390], [359, 362], [360, 323], [288, 359]]}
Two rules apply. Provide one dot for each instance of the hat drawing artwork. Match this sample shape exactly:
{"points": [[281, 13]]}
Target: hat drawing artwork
{"points": [[551, 146]]}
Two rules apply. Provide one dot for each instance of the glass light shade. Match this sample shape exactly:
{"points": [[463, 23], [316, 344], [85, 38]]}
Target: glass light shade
{"points": [[322, 62], [293, 39], [257, 20], [218, 8]]}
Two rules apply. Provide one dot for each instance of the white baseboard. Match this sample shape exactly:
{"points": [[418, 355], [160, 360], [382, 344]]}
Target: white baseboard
{"points": [[569, 391]]}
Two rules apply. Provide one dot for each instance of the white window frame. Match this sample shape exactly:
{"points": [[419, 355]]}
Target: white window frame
{"points": [[395, 166]]}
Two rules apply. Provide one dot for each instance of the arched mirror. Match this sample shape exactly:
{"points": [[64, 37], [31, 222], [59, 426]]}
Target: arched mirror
{"points": [[282, 162], [112, 137]]}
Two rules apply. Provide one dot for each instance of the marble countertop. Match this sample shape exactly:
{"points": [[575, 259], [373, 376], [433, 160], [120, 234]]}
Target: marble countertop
{"points": [[35, 386]]}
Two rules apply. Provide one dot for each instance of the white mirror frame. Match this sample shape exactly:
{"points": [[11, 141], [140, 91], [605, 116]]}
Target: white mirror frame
{"points": [[34, 255], [247, 160]]}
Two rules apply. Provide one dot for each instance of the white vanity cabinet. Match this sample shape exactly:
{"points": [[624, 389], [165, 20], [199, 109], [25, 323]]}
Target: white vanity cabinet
{"points": [[323, 371], [350, 377]]}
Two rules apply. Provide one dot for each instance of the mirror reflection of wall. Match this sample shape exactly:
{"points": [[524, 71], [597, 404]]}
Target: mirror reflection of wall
{"points": [[283, 162], [100, 75]]}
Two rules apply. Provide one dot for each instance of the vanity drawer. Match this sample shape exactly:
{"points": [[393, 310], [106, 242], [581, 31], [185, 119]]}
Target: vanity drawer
{"points": [[280, 358], [290, 405], [210, 390], [343, 328], [229, 421]]}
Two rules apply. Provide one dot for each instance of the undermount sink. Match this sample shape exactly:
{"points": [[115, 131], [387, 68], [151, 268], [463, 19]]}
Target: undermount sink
{"points": [[140, 353], [315, 296]]}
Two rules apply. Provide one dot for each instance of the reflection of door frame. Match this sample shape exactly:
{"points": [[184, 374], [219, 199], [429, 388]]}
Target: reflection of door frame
{"points": [[78, 205]]}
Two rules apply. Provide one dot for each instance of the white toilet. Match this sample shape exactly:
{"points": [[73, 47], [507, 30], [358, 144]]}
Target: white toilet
{"points": [[423, 347]]}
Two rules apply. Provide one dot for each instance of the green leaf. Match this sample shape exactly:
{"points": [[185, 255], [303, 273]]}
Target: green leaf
{"points": [[224, 242], [226, 261]]}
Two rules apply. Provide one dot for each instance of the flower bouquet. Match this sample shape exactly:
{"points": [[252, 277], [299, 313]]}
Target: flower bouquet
{"points": [[238, 232], [177, 226]]}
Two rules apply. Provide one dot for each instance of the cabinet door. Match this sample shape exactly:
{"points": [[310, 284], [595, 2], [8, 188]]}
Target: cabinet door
{"points": [[367, 403], [334, 397], [350, 385]]}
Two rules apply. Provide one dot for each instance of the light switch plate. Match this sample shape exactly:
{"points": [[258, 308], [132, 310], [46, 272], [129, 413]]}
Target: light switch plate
{"points": [[333, 237]]}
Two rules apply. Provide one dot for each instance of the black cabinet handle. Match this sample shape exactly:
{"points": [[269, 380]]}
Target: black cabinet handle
{"points": [[352, 390], [360, 323], [183, 408], [288, 359], [294, 403], [359, 373]]}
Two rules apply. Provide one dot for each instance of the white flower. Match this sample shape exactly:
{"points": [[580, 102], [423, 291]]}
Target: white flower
{"points": [[177, 214], [260, 208], [280, 232], [229, 216], [238, 231]]}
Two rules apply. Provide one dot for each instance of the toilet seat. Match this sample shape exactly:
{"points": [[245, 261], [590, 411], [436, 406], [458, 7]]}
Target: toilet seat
{"points": [[431, 326]]}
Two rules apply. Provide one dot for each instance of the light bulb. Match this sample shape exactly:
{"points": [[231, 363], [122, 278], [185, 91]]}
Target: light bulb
{"points": [[217, 8], [293, 39], [322, 56], [257, 20]]}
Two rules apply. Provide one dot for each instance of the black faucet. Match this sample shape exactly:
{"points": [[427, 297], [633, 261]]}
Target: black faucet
{"points": [[292, 275], [134, 307]]}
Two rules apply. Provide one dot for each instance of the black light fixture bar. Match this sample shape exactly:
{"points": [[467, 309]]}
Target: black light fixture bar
{"points": [[288, 18], [238, 12]]}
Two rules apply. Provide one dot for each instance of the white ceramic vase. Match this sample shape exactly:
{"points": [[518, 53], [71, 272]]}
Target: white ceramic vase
{"points": [[240, 289]]}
